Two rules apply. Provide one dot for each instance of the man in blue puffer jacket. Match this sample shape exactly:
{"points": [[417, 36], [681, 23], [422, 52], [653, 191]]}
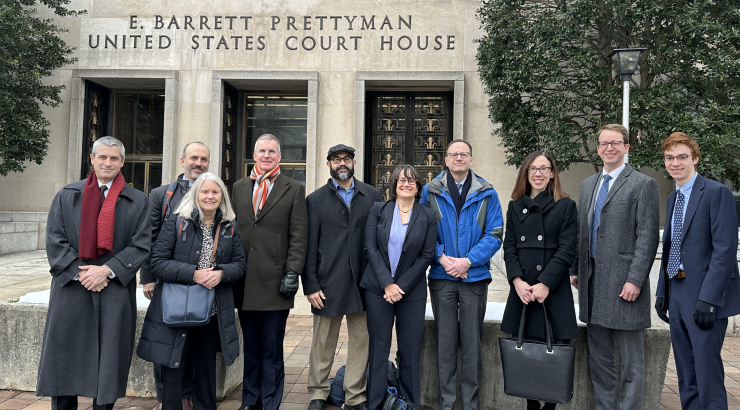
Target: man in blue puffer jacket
{"points": [[469, 231]]}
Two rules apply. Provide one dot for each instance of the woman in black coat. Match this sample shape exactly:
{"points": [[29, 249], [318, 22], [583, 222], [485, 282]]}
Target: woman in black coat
{"points": [[183, 253], [400, 237], [539, 249]]}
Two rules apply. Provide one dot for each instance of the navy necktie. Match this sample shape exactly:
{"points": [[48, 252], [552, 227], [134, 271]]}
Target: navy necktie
{"points": [[674, 259], [603, 192]]}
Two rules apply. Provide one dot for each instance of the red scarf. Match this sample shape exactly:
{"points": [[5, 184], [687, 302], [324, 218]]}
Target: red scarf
{"points": [[96, 223], [263, 181]]}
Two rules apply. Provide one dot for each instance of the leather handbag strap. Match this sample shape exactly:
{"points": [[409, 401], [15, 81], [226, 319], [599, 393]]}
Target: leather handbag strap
{"points": [[215, 245], [522, 322]]}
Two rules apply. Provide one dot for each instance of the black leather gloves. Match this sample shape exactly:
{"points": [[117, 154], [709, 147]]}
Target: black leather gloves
{"points": [[289, 284], [659, 309], [704, 315]]}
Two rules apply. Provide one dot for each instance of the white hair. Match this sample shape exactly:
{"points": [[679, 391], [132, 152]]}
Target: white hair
{"points": [[190, 200], [108, 142], [266, 137]]}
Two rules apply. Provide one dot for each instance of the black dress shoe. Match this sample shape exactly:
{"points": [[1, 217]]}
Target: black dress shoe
{"points": [[255, 407], [358, 406], [316, 404]]}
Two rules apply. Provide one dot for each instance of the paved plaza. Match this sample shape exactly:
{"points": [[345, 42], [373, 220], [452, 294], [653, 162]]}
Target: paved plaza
{"points": [[24, 273]]}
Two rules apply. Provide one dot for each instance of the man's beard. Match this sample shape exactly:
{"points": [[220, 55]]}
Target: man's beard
{"points": [[343, 176]]}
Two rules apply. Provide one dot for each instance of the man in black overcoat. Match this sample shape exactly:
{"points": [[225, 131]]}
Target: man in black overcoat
{"points": [[98, 235], [335, 261]]}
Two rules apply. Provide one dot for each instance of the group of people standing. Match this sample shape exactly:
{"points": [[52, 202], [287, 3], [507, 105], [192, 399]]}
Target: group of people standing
{"points": [[367, 260]]}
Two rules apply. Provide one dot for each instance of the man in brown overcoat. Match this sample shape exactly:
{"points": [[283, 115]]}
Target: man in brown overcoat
{"points": [[271, 211]]}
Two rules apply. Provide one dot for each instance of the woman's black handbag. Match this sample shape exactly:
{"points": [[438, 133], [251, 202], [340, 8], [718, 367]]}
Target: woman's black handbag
{"points": [[185, 305], [537, 370]]}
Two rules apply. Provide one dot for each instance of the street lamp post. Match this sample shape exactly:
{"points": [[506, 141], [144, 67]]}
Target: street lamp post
{"points": [[626, 62]]}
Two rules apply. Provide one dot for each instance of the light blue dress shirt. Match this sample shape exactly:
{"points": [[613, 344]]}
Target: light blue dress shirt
{"points": [[395, 240], [686, 191], [346, 194]]}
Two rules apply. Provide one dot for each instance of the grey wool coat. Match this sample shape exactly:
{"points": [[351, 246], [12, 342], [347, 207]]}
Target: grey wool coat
{"points": [[274, 241], [626, 243], [336, 257], [175, 258], [89, 336]]}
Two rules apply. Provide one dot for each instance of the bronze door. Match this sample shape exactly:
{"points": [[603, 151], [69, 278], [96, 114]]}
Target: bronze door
{"points": [[407, 128]]}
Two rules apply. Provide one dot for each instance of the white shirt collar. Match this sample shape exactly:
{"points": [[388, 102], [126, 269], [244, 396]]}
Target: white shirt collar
{"points": [[615, 173]]}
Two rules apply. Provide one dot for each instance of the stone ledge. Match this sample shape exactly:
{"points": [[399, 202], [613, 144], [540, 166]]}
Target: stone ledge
{"points": [[492, 396], [18, 216], [21, 337]]}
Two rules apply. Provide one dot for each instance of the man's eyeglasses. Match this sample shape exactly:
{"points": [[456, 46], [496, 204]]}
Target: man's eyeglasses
{"points": [[404, 181], [271, 152], [339, 160], [681, 158], [614, 144], [463, 155], [543, 170]]}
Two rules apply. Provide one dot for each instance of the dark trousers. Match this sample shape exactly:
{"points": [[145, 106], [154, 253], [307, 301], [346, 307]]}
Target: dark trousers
{"points": [[459, 309], [199, 353], [264, 371], [701, 375], [187, 382], [70, 403], [409, 317]]}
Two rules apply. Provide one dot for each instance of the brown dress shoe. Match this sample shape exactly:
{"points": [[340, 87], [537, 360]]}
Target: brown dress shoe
{"points": [[187, 404]]}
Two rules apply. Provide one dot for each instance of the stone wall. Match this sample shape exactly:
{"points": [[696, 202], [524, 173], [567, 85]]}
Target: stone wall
{"points": [[492, 396], [22, 231], [21, 337]]}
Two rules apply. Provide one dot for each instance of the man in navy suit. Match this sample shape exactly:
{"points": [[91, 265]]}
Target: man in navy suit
{"points": [[699, 286]]}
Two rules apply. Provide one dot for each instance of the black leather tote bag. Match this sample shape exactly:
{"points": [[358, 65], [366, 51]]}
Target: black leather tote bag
{"points": [[537, 370]]}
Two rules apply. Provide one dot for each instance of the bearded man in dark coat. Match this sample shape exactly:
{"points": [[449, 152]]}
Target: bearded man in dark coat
{"points": [[335, 262], [98, 235]]}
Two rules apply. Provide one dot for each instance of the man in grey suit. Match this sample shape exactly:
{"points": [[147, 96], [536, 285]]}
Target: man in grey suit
{"points": [[618, 213]]}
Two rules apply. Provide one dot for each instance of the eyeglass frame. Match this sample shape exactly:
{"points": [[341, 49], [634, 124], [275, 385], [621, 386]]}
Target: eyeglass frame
{"points": [[410, 181], [533, 170], [677, 157], [336, 160], [614, 144], [270, 152], [463, 155]]}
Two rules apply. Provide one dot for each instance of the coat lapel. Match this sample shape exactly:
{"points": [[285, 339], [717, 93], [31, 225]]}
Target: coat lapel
{"points": [[246, 196], [279, 188], [414, 214], [696, 193], [668, 228], [588, 192], [385, 232], [621, 179]]}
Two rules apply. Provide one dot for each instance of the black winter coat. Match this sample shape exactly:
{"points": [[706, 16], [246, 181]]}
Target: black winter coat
{"points": [[540, 246], [336, 259], [175, 258]]}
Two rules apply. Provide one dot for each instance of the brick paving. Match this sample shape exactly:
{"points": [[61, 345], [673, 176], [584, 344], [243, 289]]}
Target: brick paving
{"points": [[296, 349]]}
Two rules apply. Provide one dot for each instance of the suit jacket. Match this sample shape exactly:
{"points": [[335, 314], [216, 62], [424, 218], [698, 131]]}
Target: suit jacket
{"points": [[626, 243], [274, 241], [708, 247], [336, 257], [418, 250], [89, 336]]}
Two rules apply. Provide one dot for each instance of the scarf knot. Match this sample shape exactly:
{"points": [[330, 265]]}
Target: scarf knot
{"points": [[263, 182]]}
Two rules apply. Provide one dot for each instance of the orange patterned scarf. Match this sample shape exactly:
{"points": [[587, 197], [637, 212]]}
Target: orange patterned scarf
{"points": [[263, 181]]}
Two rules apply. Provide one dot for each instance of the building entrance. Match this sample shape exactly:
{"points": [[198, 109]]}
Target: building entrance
{"points": [[406, 128]]}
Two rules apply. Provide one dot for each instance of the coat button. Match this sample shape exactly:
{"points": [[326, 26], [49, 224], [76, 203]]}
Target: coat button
{"points": [[197, 252], [539, 268], [183, 335], [523, 238], [129, 265], [177, 364], [539, 238], [255, 225], [404, 250], [251, 249], [524, 211], [342, 212]]}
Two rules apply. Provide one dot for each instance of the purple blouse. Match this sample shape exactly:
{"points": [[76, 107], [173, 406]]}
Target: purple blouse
{"points": [[395, 241]]}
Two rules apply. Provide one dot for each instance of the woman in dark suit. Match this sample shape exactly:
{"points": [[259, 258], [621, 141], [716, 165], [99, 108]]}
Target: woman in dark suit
{"points": [[400, 237], [184, 253], [539, 249]]}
